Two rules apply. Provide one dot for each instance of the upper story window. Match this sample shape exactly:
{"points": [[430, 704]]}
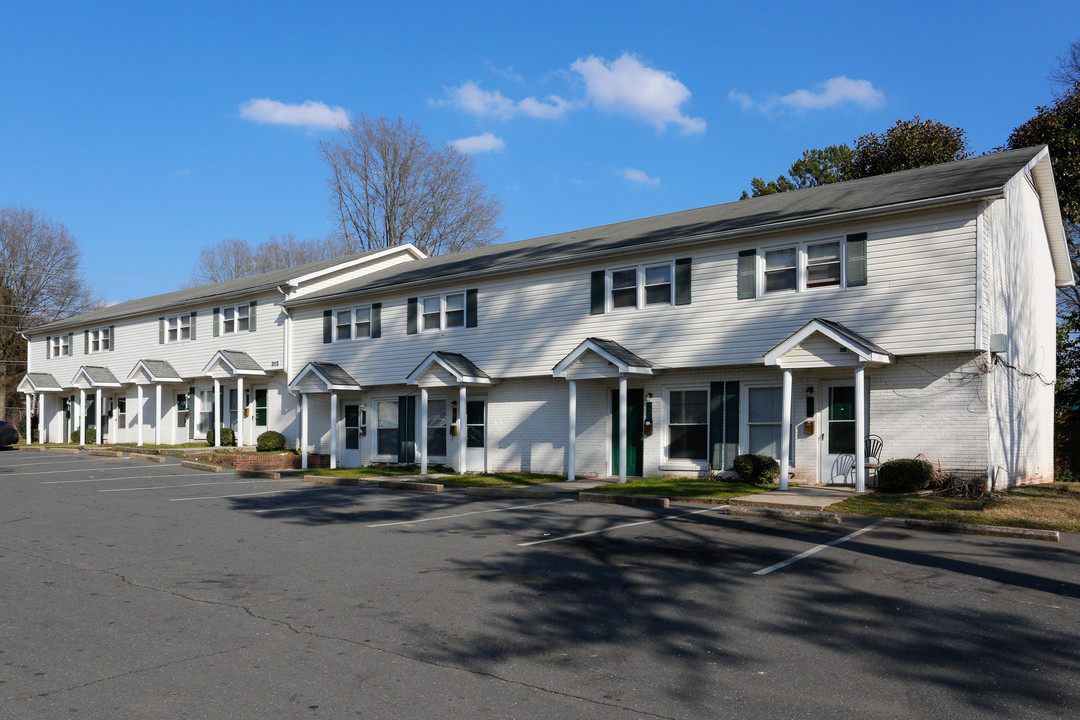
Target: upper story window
{"points": [[58, 345], [235, 319], [352, 323], [442, 312], [803, 266], [178, 328], [645, 285], [99, 340]]}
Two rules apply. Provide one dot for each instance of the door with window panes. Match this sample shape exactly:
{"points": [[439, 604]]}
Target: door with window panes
{"points": [[476, 436], [354, 420], [838, 433]]}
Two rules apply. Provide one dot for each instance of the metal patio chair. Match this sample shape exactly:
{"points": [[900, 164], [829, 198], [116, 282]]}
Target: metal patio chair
{"points": [[872, 448]]}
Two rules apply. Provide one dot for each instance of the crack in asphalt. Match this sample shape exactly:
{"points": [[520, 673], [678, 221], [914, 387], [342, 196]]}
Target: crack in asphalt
{"points": [[289, 626]]}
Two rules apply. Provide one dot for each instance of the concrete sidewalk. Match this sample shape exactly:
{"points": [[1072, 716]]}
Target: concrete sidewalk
{"points": [[800, 497]]}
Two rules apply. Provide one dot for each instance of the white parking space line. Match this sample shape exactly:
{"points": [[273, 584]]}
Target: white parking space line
{"points": [[80, 470], [170, 487], [122, 477], [816, 549], [219, 497], [617, 527], [474, 512]]}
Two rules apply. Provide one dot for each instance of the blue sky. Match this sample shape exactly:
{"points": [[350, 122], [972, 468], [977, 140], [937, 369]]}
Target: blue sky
{"points": [[154, 129]]}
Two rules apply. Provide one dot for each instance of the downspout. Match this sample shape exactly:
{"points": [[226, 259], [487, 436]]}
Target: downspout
{"points": [[286, 359]]}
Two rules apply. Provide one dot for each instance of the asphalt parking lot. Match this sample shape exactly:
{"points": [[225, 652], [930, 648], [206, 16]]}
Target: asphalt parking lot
{"points": [[140, 590]]}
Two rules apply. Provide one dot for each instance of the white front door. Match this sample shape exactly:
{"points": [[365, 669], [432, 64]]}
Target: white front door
{"points": [[476, 436], [838, 433]]}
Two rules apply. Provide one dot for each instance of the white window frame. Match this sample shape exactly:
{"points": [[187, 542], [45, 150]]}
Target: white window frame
{"points": [[445, 427], [60, 346], [801, 265], [640, 271], [703, 461], [353, 324], [237, 318], [178, 324], [377, 402], [443, 311], [744, 416], [102, 338]]}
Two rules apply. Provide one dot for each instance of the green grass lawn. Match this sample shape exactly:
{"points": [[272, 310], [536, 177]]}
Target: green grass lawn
{"points": [[498, 480], [685, 487], [1053, 506], [369, 471]]}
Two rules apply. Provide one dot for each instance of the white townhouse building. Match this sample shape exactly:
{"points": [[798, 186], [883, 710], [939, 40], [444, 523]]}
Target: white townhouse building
{"points": [[916, 307], [166, 369]]}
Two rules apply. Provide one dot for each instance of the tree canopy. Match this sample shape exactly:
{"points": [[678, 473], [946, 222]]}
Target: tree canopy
{"points": [[390, 185], [41, 280], [906, 145]]}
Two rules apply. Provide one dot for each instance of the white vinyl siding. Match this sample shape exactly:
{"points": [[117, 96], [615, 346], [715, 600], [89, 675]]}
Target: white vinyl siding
{"points": [[919, 298]]}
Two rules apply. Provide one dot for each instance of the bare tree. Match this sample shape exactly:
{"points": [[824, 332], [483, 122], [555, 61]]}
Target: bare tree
{"points": [[1066, 75], [233, 258], [389, 185], [41, 280]]}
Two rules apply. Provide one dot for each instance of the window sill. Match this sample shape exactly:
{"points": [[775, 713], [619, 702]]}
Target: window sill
{"points": [[684, 465]]}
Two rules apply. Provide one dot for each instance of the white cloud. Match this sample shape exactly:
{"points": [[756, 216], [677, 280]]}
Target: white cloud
{"points": [[310, 114], [835, 91], [479, 144], [626, 85], [471, 98], [839, 90], [639, 177]]}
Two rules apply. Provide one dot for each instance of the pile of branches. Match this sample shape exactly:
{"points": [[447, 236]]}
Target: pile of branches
{"points": [[956, 486]]}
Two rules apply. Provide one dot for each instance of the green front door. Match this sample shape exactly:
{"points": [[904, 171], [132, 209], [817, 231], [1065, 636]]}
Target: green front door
{"points": [[635, 435]]}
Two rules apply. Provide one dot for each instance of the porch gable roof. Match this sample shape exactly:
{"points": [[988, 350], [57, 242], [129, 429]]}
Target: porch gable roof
{"points": [[622, 359], [96, 377], [462, 369], [332, 376], [865, 350], [234, 362], [156, 371], [39, 383]]}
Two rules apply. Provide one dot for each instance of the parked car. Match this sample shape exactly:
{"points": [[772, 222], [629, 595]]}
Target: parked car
{"points": [[9, 434]]}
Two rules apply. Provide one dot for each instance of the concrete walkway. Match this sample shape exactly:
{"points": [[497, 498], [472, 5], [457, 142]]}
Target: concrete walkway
{"points": [[801, 497]]}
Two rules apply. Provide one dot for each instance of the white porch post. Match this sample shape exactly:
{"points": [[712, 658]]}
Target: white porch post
{"points": [[860, 430], [97, 418], [157, 413], [303, 430], [41, 419], [785, 430], [241, 406], [82, 416], [423, 430], [622, 428], [29, 418], [138, 414], [333, 429], [217, 413], [571, 445], [463, 430]]}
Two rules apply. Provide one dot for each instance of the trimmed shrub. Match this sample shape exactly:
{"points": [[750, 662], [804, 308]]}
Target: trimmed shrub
{"points": [[758, 469], [228, 437], [904, 476], [269, 441], [91, 436], [33, 437], [74, 437]]}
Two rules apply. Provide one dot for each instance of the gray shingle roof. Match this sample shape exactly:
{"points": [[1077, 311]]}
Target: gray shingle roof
{"points": [[463, 365], [192, 297], [970, 179], [100, 375], [618, 351], [160, 369], [42, 381], [240, 360], [853, 336], [334, 374]]}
